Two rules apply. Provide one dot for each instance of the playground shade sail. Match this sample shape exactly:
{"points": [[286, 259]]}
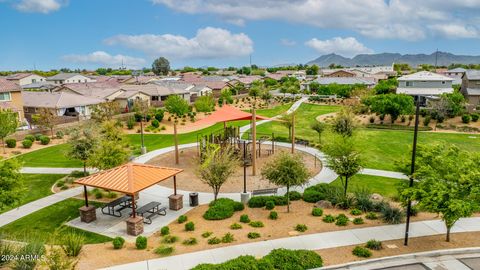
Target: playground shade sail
{"points": [[129, 178], [226, 114]]}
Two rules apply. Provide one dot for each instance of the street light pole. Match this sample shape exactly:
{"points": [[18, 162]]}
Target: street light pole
{"points": [[412, 169]]}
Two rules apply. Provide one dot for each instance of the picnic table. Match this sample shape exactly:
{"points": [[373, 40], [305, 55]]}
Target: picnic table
{"points": [[149, 210], [122, 202]]}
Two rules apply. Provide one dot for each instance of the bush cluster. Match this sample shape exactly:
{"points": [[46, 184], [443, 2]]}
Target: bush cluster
{"points": [[294, 195], [356, 212], [260, 201], [328, 219], [30, 138], [244, 218], [222, 208], [164, 250], [206, 234], [341, 220], [190, 241], [141, 242], [228, 238], [358, 221], [392, 215], [273, 215], [361, 252], [317, 212], [253, 235], [371, 216], [269, 205], [11, 143], [374, 244], [256, 224], [190, 226], [165, 230], [301, 228], [44, 140], [182, 219], [235, 226], [214, 241], [118, 242], [27, 144], [169, 239]]}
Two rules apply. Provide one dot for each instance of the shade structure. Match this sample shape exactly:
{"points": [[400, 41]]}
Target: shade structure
{"points": [[225, 114], [130, 178]]}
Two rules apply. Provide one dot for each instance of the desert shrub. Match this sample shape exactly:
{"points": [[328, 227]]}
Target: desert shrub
{"points": [[371, 216], [182, 219], [190, 241], [155, 123], [159, 115], [214, 241], [269, 205], [189, 226], [206, 234], [343, 201], [413, 211], [295, 195], [141, 242], [260, 201], [165, 230], [169, 239], [293, 259], [164, 250], [118, 242], [273, 215], [34, 248], [378, 206], [59, 134], [235, 226], [466, 118], [358, 221], [328, 219], [392, 215], [27, 143], [356, 212], [256, 224], [361, 252], [301, 228], [228, 238], [44, 140], [72, 243], [374, 244], [38, 136], [475, 117], [244, 218], [371, 119], [11, 143], [363, 201], [131, 122], [341, 220], [30, 138], [222, 209], [317, 212], [253, 235], [426, 120], [318, 192]]}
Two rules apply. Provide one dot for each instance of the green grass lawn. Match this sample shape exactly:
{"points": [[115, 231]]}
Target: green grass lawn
{"points": [[384, 186], [275, 110], [53, 156], [37, 186], [43, 223]]}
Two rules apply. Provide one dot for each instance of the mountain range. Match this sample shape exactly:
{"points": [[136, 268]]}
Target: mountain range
{"points": [[385, 59]]}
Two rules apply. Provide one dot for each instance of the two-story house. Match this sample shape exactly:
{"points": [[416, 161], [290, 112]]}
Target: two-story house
{"points": [[425, 85], [456, 74], [62, 78], [11, 97], [471, 88]]}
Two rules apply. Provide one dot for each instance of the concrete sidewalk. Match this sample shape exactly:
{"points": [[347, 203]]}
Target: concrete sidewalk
{"points": [[316, 241]]}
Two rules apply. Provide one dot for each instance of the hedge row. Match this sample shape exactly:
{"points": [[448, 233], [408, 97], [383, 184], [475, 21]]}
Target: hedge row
{"points": [[222, 208]]}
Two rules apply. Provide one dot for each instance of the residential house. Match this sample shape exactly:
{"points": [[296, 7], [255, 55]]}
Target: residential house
{"points": [[40, 86], [471, 88], [340, 73], [158, 91], [62, 104], [63, 78], [11, 97], [107, 90], [217, 86], [424, 84], [338, 80], [456, 74], [25, 78]]}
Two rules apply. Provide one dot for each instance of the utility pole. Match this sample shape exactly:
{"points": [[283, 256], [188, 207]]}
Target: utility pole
{"points": [[436, 58]]}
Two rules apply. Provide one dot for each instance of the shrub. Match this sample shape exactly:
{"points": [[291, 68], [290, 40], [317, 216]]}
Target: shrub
{"points": [[170, 239], [341, 220], [118, 242], [235, 226], [358, 221], [301, 228], [165, 230], [244, 218], [273, 215], [181, 219], [392, 215], [141, 242], [356, 212], [260, 201], [253, 235], [190, 241], [38, 136], [164, 250], [293, 259], [72, 244], [371, 119], [378, 206], [34, 248], [374, 244], [361, 252], [27, 143], [371, 216], [11, 143], [131, 122], [328, 219], [228, 238], [269, 205], [222, 209], [256, 224], [190, 226], [317, 212], [155, 123], [159, 115], [59, 134], [44, 140], [214, 241], [426, 120], [206, 234], [30, 138], [344, 201], [475, 117], [466, 118], [363, 201], [294, 195]]}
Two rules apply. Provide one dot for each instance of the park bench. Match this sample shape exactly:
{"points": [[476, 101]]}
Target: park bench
{"points": [[264, 191], [149, 210], [123, 202]]}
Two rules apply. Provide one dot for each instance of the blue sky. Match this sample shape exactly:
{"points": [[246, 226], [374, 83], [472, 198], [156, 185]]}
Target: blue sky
{"points": [[101, 33]]}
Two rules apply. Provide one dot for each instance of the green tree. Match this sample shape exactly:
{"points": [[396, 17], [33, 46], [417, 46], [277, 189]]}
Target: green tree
{"points": [[344, 123], [238, 88], [343, 159], [314, 87], [161, 66], [112, 148], [11, 183], [312, 70], [205, 104], [286, 170], [176, 105], [216, 166], [319, 127], [391, 104], [286, 120], [142, 107], [8, 125], [454, 103], [105, 111], [81, 146], [256, 89], [45, 119], [448, 182], [386, 86]]}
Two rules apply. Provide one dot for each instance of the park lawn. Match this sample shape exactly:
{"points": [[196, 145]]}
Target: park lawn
{"points": [[43, 223], [37, 186], [53, 156], [384, 186], [275, 110]]}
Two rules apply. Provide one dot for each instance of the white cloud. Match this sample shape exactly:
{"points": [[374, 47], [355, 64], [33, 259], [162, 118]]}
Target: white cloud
{"points": [[393, 19], [287, 42], [348, 46], [105, 59], [456, 30], [209, 43], [38, 6]]}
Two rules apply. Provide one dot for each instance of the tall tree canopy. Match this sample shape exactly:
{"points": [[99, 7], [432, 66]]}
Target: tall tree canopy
{"points": [[11, 183], [8, 125], [312, 70], [161, 66], [176, 105], [391, 104], [82, 144], [112, 148]]}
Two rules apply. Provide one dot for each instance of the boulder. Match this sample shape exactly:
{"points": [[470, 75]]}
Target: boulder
{"points": [[324, 204], [376, 197]]}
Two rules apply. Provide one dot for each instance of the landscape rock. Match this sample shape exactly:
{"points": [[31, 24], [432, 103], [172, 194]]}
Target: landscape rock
{"points": [[376, 197], [324, 204]]}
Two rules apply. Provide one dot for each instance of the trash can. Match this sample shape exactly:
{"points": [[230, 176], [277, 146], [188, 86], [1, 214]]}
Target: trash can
{"points": [[194, 199]]}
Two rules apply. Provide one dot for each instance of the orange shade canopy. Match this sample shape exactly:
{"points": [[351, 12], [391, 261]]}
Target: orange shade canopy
{"points": [[225, 114], [129, 178]]}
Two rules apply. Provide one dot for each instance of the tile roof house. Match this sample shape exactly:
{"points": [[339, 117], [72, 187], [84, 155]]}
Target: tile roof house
{"points": [[424, 83], [25, 78], [471, 88], [62, 78], [11, 97], [159, 91], [456, 74]]}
